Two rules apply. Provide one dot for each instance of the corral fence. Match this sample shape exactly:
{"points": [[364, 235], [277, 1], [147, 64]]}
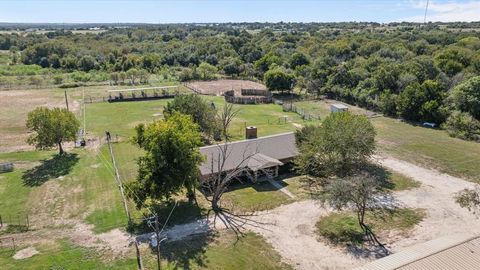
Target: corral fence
{"points": [[8, 243], [249, 96], [89, 99], [14, 223], [306, 115]]}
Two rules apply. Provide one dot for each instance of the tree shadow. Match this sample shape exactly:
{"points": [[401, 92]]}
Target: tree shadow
{"points": [[188, 253], [381, 174], [55, 167], [366, 251], [184, 212]]}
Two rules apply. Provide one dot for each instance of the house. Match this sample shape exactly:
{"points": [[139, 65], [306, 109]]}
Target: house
{"points": [[261, 156], [449, 252], [338, 107]]}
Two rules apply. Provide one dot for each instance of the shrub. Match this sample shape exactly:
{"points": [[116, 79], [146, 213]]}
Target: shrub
{"points": [[462, 125]]}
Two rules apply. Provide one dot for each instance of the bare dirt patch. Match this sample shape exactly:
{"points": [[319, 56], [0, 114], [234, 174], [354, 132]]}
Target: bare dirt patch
{"points": [[217, 88], [25, 253]]}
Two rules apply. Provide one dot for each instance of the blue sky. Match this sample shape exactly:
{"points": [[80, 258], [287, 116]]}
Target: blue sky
{"points": [[171, 11]]}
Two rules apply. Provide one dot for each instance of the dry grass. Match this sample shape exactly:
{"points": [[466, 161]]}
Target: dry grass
{"points": [[14, 107]]}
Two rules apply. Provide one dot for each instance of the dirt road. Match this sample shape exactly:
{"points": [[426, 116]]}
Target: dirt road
{"points": [[290, 229]]}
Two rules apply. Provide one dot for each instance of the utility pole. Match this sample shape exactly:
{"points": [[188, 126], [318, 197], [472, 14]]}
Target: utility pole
{"points": [[157, 233], [84, 113], [120, 186], [66, 99]]}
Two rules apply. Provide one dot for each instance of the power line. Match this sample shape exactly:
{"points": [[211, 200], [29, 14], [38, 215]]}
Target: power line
{"points": [[425, 16]]}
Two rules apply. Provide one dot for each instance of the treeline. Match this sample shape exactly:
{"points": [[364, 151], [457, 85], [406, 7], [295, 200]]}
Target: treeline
{"points": [[421, 73]]}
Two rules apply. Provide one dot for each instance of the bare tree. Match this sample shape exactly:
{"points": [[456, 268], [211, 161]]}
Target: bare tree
{"points": [[361, 193], [220, 178], [226, 117]]}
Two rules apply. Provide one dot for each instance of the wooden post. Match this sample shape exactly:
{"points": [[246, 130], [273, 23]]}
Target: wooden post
{"points": [[66, 100], [139, 257], [1, 222]]}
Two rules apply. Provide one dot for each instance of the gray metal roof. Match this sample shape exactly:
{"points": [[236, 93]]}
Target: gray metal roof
{"points": [[446, 253], [256, 154], [339, 106]]}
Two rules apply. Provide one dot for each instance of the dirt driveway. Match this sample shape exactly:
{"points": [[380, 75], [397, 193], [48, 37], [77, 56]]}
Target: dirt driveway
{"points": [[290, 229]]}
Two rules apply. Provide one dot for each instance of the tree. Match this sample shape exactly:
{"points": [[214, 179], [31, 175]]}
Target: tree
{"points": [[225, 117], [51, 127], [263, 64], [340, 145], [466, 97], [207, 71], [361, 193], [462, 125], [87, 63], [171, 159], [132, 75], [277, 79], [217, 184], [298, 59], [422, 102], [202, 113]]}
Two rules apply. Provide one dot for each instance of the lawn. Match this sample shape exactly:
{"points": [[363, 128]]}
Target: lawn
{"points": [[424, 146], [44, 184], [14, 194], [121, 118], [428, 147], [220, 251], [343, 228]]}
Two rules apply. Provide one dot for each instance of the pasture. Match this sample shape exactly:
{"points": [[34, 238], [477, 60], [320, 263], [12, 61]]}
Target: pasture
{"points": [[58, 193], [428, 147]]}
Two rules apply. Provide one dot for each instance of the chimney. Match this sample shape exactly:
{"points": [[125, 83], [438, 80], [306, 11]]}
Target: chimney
{"points": [[251, 132]]}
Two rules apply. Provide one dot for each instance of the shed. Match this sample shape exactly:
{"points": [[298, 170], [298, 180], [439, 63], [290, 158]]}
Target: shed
{"points": [[338, 107], [449, 252]]}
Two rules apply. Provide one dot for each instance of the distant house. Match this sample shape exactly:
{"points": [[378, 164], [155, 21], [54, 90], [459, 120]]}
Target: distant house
{"points": [[449, 252], [338, 107], [262, 156]]}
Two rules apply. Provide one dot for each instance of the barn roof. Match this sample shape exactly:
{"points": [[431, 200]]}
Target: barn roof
{"points": [[255, 154], [451, 252]]}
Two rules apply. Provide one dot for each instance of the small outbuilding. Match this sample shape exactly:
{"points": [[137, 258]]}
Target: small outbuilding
{"points": [[338, 107]]}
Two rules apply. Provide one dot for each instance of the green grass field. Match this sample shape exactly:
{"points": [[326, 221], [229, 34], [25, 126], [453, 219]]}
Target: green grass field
{"points": [[221, 251], [428, 147], [120, 118], [425, 146]]}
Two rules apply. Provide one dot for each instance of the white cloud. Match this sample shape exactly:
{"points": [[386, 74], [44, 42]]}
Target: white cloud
{"points": [[451, 11]]}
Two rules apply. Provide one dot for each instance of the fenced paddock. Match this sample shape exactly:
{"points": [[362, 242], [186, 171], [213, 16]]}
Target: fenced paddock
{"points": [[147, 93], [219, 87], [305, 114]]}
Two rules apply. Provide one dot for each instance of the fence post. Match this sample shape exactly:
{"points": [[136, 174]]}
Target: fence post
{"points": [[1, 222], [28, 223]]}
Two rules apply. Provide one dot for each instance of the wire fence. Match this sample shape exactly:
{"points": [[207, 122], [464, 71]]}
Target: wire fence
{"points": [[305, 114]]}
